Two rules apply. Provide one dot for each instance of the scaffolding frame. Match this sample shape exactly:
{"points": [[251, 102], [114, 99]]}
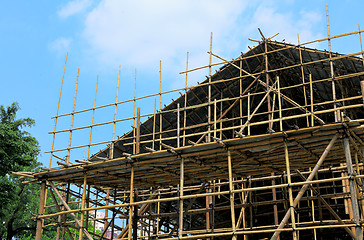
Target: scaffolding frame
{"points": [[180, 174]]}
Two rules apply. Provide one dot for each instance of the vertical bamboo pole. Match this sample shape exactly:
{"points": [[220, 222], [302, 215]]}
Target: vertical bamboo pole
{"points": [[241, 91], [304, 187], [111, 154], [354, 198], [231, 188], [213, 210], [360, 189], [337, 113], [241, 218], [311, 100], [215, 115], [207, 204], [313, 212], [83, 207], [279, 105], [267, 81], [154, 115], [361, 46], [303, 77], [362, 58], [275, 208], [92, 120], [73, 116], [88, 205], [221, 96], [97, 196], [55, 121], [209, 95], [160, 106], [131, 197], [124, 210], [158, 211], [181, 184], [290, 194], [134, 131], [41, 211], [178, 126], [138, 132], [185, 111], [113, 217], [106, 212], [249, 113], [135, 219], [70, 141]]}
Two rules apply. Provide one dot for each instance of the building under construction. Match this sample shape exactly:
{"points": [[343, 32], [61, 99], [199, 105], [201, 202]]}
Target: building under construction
{"points": [[270, 146]]}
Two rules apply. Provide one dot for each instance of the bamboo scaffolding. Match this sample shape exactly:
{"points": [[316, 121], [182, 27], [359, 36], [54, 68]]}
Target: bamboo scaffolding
{"points": [[185, 174]]}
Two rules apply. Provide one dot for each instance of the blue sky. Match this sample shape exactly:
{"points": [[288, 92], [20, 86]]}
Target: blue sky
{"points": [[101, 35]]}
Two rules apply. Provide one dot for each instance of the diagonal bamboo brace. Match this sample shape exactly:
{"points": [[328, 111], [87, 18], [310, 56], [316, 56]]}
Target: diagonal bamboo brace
{"points": [[304, 187], [332, 211], [68, 208]]}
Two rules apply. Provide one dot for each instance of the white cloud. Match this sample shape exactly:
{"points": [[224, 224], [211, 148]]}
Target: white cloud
{"points": [[141, 32], [137, 34], [288, 24], [74, 7], [60, 45]]}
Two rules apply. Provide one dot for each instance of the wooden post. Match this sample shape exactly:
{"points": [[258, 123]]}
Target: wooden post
{"points": [[353, 194], [41, 211], [290, 194], [83, 207], [231, 188]]}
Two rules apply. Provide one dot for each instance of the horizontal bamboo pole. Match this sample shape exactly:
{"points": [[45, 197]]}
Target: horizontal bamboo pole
{"points": [[202, 236], [278, 50], [185, 155], [203, 195], [215, 82]]}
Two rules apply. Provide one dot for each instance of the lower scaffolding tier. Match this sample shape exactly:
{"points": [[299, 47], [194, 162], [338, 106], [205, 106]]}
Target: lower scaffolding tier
{"points": [[302, 184]]}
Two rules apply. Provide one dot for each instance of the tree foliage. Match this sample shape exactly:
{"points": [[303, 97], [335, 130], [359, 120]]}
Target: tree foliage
{"points": [[18, 201], [18, 152]]}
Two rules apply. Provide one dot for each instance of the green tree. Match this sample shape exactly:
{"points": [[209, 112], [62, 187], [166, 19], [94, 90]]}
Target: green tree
{"points": [[18, 152]]}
